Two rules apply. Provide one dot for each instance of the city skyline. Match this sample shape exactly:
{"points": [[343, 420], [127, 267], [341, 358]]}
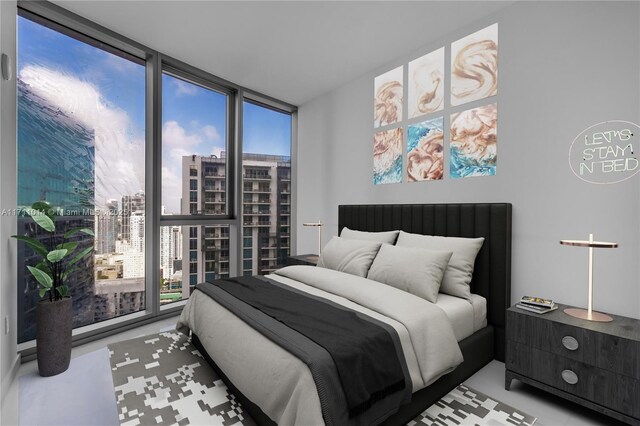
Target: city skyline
{"points": [[106, 93], [81, 147]]}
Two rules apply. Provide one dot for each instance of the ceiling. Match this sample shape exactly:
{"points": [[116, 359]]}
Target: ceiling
{"points": [[293, 51]]}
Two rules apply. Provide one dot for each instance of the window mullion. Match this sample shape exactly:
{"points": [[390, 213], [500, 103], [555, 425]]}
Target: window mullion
{"points": [[153, 181]]}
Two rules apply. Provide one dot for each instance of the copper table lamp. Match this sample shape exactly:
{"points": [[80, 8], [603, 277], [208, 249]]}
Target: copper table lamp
{"points": [[589, 314]]}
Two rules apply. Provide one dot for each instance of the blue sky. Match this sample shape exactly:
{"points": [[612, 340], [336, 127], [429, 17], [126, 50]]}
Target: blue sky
{"points": [[194, 118]]}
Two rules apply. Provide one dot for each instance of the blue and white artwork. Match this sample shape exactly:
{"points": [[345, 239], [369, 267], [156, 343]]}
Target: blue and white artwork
{"points": [[387, 156], [474, 138], [425, 150]]}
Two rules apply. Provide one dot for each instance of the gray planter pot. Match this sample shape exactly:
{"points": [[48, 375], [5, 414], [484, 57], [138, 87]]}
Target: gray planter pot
{"points": [[53, 340]]}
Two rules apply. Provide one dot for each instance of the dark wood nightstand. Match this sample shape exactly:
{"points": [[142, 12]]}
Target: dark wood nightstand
{"points": [[303, 259], [594, 364]]}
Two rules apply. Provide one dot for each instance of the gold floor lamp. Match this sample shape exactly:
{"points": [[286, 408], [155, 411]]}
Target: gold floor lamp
{"points": [[589, 314]]}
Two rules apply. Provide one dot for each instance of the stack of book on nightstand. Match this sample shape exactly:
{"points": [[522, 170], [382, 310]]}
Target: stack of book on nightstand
{"points": [[536, 304]]}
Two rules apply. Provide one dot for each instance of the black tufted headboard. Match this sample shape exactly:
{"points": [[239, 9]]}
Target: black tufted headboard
{"points": [[492, 273]]}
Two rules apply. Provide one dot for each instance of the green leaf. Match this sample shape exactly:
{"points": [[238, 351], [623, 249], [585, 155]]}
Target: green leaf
{"points": [[63, 290], [87, 231], [36, 245], [43, 267], [42, 277], [44, 221], [43, 291], [56, 255], [68, 246], [43, 207], [79, 256]]}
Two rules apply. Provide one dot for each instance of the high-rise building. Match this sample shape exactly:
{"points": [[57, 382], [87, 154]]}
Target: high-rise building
{"points": [[107, 227], [64, 177], [136, 231], [130, 204], [170, 249], [266, 216]]}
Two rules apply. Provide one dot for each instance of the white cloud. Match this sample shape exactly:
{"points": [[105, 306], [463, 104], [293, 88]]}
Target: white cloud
{"points": [[174, 135], [177, 153], [119, 156], [184, 88], [211, 133], [171, 190]]}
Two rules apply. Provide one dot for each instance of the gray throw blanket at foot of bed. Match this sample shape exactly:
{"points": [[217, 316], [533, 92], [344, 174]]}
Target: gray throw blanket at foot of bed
{"points": [[354, 359]]}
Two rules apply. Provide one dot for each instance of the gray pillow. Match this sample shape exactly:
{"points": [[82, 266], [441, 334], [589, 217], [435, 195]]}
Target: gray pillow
{"points": [[415, 270], [350, 256], [388, 237], [457, 276]]}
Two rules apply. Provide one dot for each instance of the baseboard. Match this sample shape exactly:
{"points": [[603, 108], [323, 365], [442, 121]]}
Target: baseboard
{"points": [[8, 379], [9, 393]]}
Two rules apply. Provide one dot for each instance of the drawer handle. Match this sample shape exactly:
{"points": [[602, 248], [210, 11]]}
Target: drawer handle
{"points": [[569, 377], [570, 343]]}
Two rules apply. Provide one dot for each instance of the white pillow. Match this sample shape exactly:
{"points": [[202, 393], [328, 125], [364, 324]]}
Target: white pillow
{"points": [[350, 256], [388, 237], [457, 276], [415, 270]]}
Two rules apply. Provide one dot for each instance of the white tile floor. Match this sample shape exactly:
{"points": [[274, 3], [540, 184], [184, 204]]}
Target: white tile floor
{"points": [[75, 397], [549, 409], [84, 395]]}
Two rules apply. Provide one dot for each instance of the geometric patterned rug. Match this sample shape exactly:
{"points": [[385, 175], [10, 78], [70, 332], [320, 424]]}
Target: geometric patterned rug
{"points": [[466, 406], [162, 379]]}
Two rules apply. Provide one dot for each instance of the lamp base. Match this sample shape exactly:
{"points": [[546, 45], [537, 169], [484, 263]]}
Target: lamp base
{"points": [[584, 314]]}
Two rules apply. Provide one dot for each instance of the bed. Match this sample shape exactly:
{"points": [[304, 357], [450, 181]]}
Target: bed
{"points": [[476, 328]]}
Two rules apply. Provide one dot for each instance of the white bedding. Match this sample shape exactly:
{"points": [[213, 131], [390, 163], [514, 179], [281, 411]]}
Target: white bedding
{"points": [[466, 316], [280, 384]]}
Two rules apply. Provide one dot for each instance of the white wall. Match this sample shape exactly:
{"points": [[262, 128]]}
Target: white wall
{"points": [[563, 67], [8, 296]]}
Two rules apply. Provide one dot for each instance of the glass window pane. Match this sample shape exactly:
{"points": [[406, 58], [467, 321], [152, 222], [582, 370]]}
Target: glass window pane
{"points": [[207, 252], [266, 172], [81, 147], [194, 144]]}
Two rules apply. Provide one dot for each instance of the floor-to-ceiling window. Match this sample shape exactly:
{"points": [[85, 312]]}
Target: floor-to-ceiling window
{"points": [[266, 189], [144, 150], [81, 143], [195, 144]]}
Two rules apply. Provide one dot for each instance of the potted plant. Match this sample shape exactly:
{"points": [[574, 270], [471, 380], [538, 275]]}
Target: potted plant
{"points": [[54, 312]]}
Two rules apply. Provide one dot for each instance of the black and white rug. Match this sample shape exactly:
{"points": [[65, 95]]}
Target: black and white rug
{"points": [[163, 379]]}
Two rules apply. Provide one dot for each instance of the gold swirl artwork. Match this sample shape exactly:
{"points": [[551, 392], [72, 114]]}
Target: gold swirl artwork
{"points": [[474, 66], [388, 97], [426, 84], [425, 150], [474, 139], [387, 156]]}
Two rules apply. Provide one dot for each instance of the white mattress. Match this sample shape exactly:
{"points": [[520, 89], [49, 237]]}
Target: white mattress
{"points": [[466, 317]]}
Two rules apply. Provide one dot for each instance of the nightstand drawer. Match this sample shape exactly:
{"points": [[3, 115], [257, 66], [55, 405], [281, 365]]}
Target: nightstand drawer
{"points": [[612, 353], [550, 336], [615, 391]]}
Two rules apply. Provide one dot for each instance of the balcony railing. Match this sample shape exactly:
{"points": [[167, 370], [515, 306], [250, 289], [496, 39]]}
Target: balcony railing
{"points": [[256, 177], [258, 213], [257, 202], [213, 211], [213, 175], [254, 224], [216, 236]]}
